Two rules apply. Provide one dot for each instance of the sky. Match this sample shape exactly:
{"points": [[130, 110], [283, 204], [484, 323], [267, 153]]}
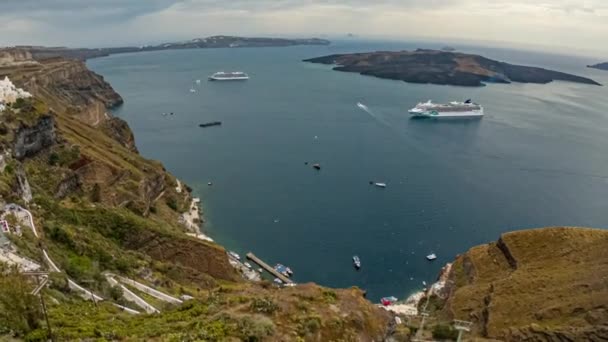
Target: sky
{"points": [[581, 24]]}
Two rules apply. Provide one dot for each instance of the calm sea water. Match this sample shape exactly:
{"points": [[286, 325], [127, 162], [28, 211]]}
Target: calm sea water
{"points": [[538, 158]]}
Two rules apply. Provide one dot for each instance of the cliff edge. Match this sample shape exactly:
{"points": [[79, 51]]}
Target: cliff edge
{"points": [[534, 285]]}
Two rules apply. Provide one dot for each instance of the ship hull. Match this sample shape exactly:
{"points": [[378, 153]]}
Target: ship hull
{"points": [[228, 78], [435, 114]]}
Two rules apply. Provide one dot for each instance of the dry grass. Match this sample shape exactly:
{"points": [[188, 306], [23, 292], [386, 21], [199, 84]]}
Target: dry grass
{"points": [[560, 277]]}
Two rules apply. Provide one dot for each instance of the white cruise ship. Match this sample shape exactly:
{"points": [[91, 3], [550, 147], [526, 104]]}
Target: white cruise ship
{"points": [[453, 109], [229, 76]]}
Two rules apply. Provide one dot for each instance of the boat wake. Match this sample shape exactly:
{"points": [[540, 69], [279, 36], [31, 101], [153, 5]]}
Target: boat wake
{"points": [[372, 114]]}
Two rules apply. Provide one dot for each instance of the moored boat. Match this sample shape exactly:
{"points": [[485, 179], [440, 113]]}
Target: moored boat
{"points": [[234, 255]]}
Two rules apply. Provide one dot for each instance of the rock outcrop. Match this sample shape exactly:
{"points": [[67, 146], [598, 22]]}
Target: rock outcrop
{"points": [[31, 140], [443, 67], [534, 285], [120, 130], [16, 57]]}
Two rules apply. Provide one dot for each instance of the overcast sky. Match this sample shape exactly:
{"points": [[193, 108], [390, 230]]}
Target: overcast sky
{"points": [[581, 24]]}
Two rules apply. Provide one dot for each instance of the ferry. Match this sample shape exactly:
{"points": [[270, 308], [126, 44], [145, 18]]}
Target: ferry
{"points": [[356, 262], [229, 76], [453, 109]]}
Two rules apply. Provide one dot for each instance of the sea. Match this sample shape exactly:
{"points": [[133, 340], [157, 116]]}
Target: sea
{"points": [[538, 158]]}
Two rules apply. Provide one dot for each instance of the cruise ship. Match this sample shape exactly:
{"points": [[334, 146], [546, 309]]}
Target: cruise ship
{"points": [[229, 76], [453, 109]]}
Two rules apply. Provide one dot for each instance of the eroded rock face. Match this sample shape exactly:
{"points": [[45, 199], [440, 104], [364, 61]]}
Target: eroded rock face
{"points": [[23, 186], [118, 129], [31, 140], [15, 57]]}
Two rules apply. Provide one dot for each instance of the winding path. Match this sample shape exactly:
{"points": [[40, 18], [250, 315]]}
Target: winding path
{"points": [[86, 294]]}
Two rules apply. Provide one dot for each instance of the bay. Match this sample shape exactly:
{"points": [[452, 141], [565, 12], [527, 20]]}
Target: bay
{"points": [[538, 158]]}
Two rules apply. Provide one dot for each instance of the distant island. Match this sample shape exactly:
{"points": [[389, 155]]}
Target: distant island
{"points": [[601, 66], [40, 52], [442, 67]]}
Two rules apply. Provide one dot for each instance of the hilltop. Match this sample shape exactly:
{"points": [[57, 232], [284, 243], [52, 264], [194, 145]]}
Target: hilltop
{"points": [[442, 67], [40, 52]]}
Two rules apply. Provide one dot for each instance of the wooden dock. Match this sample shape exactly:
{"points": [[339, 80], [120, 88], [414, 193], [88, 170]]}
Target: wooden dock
{"points": [[269, 269]]}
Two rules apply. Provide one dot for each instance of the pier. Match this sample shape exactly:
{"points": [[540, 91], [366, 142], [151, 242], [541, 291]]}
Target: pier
{"points": [[269, 269]]}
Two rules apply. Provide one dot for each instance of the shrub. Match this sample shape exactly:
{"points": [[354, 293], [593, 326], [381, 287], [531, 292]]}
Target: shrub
{"points": [[444, 332], [329, 296], [116, 292], [264, 305], [53, 159], [172, 203], [256, 328]]}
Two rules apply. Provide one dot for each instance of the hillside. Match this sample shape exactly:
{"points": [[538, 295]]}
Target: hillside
{"points": [[442, 67], [533, 285], [99, 212]]}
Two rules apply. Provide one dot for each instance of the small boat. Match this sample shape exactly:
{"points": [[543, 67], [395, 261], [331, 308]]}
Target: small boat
{"points": [[209, 183], [278, 281], [260, 270], [198, 81], [282, 269], [192, 90], [386, 301], [209, 124], [356, 262], [316, 166], [431, 257], [289, 271], [380, 185], [248, 265], [234, 255]]}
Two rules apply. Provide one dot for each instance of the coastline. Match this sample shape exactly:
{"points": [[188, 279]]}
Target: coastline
{"points": [[192, 220]]}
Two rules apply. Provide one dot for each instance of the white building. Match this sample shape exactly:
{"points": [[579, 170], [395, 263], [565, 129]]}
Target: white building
{"points": [[9, 93]]}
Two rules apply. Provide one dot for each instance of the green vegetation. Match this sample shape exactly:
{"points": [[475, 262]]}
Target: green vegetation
{"points": [[445, 332], [19, 310], [264, 305]]}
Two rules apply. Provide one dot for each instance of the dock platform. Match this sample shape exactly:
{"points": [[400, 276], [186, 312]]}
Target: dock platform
{"points": [[269, 269]]}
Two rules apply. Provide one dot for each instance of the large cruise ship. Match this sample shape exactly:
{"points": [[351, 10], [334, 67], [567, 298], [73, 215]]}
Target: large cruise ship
{"points": [[229, 76], [453, 109]]}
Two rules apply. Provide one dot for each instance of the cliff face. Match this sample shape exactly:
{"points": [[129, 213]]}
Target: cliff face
{"points": [[31, 140], [536, 285], [74, 89], [16, 57]]}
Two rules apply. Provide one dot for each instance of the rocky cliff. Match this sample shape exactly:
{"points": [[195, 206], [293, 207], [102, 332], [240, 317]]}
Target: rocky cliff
{"points": [[535, 285], [30, 140]]}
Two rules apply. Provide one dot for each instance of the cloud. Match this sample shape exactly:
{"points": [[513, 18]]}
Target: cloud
{"points": [[118, 22]]}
